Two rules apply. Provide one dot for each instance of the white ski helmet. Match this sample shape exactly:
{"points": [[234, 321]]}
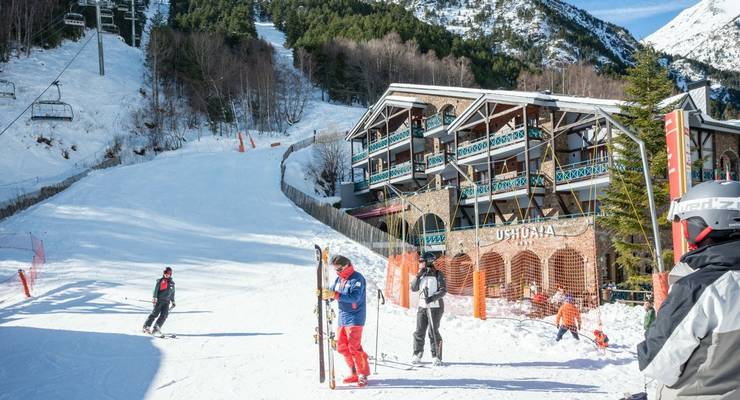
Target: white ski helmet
{"points": [[708, 210]]}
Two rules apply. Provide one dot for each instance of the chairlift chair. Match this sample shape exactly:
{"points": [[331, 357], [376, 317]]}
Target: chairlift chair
{"points": [[74, 19], [129, 16], [52, 110], [122, 6], [7, 89], [110, 28]]}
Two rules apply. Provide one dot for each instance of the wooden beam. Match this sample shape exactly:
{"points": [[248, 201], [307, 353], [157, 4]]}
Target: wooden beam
{"points": [[562, 204], [577, 123]]}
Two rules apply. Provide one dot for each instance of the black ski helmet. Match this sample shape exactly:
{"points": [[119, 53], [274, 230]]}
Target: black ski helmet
{"points": [[428, 259], [708, 210], [167, 270]]}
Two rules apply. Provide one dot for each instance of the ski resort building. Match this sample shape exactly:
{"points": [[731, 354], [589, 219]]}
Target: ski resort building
{"points": [[529, 166]]}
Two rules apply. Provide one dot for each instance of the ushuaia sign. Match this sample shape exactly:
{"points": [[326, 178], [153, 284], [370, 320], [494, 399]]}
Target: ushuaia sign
{"points": [[526, 232]]}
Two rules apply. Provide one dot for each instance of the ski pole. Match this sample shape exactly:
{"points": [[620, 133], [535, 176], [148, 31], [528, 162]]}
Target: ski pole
{"points": [[431, 322], [381, 300]]}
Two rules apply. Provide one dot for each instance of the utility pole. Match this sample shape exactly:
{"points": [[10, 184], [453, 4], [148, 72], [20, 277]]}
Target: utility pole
{"points": [[404, 200], [101, 61], [133, 24]]}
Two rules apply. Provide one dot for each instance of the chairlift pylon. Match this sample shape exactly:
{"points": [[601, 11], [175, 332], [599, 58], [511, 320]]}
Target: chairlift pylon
{"points": [[74, 19], [52, 110], [7, 89]]}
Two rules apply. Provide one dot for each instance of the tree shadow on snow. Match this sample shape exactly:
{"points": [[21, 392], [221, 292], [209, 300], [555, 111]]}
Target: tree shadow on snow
{"points": [[575, 364], [469, 383], [50, 363], [82, 297]]}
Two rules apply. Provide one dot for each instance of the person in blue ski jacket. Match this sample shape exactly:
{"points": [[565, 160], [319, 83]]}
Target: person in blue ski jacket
{"points": [[349, 292]]}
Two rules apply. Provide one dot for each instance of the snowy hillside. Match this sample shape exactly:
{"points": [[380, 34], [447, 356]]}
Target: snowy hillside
{"points": [[243, 261], [560, 31], [102, 107], [707, 32]]}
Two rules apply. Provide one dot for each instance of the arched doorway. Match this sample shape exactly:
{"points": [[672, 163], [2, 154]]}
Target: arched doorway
{"points": [[433, 223], [396, 227], [565, 270], [526, 268], [459, 275], [493, 265], [383, 226]]}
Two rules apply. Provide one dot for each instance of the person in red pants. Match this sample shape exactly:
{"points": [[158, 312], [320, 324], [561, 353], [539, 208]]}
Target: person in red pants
{"points": [[349, 292]]}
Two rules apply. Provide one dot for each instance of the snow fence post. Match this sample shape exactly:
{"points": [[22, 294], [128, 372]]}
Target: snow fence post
{"points": [[479, 294], [24, 282]]}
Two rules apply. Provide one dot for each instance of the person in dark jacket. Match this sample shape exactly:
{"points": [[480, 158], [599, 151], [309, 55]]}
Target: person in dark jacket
{"points": [[692, 347], [649, 315], [164, 294], [349, 292], [431, 285]]}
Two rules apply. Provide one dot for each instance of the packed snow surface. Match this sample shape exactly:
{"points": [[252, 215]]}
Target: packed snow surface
{"points": [[244, 266]]}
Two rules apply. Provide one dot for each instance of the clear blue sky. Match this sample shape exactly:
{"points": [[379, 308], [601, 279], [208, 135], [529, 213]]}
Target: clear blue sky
{"points": [[640, 17]]}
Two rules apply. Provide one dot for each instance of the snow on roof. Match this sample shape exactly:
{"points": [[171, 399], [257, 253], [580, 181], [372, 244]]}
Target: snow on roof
{"points": [[679, 98], [585, 104]]}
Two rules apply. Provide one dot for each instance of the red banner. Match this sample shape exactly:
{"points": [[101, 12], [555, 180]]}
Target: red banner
{"points": [[679, 169]]}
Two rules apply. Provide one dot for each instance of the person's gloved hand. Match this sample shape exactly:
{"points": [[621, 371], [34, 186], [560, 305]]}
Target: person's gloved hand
{"points": [[173, 305], [327, 294]]}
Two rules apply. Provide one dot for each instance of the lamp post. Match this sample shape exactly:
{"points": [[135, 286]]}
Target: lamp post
{"points": [[648, 183]]}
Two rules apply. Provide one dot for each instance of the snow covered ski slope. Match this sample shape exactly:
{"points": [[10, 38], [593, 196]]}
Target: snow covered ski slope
{"points": [[243, 261]]}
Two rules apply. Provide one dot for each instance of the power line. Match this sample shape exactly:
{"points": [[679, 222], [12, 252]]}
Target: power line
{"points": [[47, 88]]}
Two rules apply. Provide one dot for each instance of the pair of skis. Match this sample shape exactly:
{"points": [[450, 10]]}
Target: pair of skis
{"points": [[324, 328]]}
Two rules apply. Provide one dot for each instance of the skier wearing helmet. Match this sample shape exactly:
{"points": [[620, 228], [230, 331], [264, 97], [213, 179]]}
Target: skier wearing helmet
{"points": [[691, 348], [430, 283], [164, 293]]}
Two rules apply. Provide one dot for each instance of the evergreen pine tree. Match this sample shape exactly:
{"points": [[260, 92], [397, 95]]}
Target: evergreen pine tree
{"points": [[625, 202]]}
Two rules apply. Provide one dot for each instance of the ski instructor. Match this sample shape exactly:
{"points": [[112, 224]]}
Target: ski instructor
{"points": [[692, 347], [349, 292], [164, 293], [430, 283]]}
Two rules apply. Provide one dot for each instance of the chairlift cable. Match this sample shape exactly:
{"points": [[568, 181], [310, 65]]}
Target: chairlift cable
{"points": [[55, 80]]}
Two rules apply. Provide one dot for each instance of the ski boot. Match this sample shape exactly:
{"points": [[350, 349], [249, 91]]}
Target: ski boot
{"points": [[156, 331], [416, 359], [146, 330], [361, 380], [436, 362], [350, 379]]}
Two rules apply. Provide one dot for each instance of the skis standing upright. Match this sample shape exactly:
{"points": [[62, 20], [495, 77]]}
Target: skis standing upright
{"points": [[319, 336], [330, 315]]}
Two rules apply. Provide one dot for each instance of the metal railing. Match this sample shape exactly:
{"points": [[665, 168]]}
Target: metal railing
{"points": [[498, 140], [437, 159], [432, 238], [582, 170], [437, 120], [359, 156], [503, 185]]}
